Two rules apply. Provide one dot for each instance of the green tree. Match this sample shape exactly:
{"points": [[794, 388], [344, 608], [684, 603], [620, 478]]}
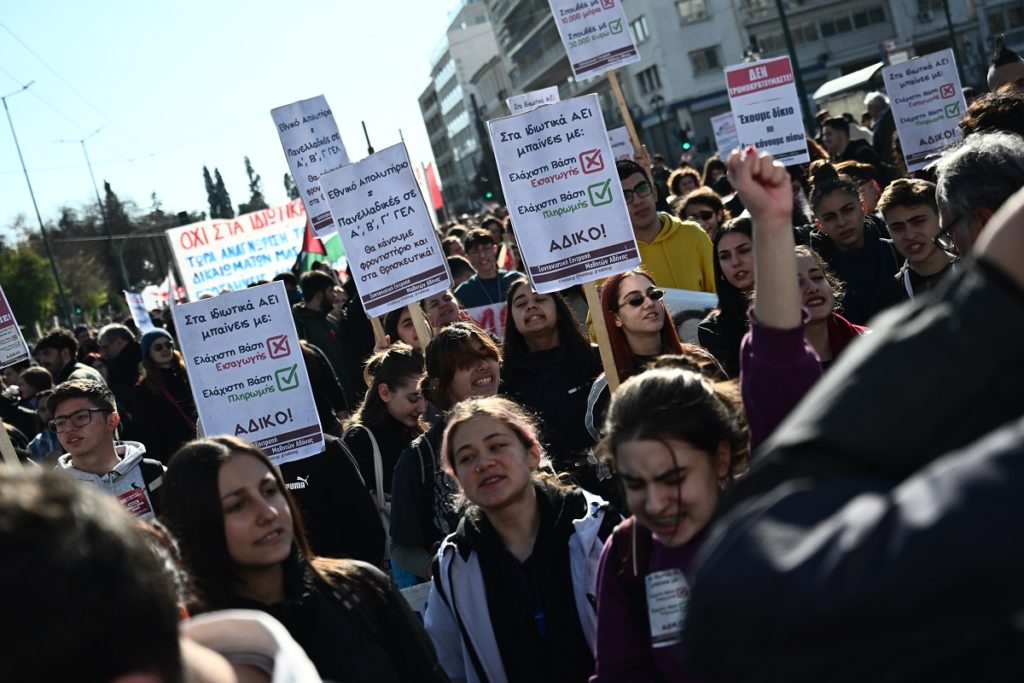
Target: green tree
{"points": [[211, 194], [290, 187], [28, 284], [256, 200], [223, 198]]}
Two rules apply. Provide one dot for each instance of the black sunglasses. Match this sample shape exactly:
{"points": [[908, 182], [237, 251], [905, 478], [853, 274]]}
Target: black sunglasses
{"points": [[703, 215], [636, 300]]}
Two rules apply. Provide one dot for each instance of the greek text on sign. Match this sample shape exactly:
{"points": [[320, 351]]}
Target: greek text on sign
{"points": [[529, 101], [140, 314], [724, 127], [245, 366], [313, 146], [385, 225], [13, 348], [595, 34], [558, 175], [232, 253], [766, 109], [927, 104]]}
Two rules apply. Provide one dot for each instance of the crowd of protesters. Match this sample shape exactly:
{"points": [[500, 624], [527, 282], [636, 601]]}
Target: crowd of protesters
{"points": [[817, 485]]}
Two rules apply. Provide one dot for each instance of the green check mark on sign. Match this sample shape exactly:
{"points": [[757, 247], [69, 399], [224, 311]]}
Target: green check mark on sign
{"points": [[600, 193], [952, 110], [615, 26], [287, 378]]}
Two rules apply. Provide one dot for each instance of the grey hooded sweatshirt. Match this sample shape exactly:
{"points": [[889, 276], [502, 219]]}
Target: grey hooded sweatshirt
{"points": [[134, 481]]}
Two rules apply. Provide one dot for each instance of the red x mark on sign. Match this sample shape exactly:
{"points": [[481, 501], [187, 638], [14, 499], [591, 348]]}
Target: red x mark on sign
{"points": [[591, 161], [608, 4], [278, 346], [946, 91]]}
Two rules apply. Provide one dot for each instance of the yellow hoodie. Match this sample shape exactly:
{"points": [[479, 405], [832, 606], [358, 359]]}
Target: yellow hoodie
{"points": [[680, 256]]}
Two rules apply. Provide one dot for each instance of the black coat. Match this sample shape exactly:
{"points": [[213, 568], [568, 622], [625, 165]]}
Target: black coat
{"points": [[865, 271], [165, 423]]}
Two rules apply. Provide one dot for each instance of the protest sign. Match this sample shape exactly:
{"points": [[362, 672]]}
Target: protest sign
{"points": [[529, 101], [392, 248], [13, 348], [927, 104], [231, 253], [140, 314], [724, 127], [563, 194], [766, 109], [595, 34], [490, 318], [313, 146], [246, 369], [622, 146]]}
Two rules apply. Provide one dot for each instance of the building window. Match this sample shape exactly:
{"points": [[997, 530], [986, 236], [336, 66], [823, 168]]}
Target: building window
{"points": [[692, 10], [934, 6], [1004, 18], [648, 80], [852, 21], [639, 30], [705, 60]]}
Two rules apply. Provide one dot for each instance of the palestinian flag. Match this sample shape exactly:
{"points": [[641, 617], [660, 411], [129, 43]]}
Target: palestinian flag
{"points": [[313, 250]]}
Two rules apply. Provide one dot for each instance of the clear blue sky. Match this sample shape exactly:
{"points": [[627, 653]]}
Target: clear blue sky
{"points": [[176, 85]]}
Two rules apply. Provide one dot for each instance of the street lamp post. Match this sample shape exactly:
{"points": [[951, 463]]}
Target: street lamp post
{"points": [[658, 104], [42, 229]]}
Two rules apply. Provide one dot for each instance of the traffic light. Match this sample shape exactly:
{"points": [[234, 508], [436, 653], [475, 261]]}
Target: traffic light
{"points": [[684, 140], [484, 186], [78, 309]]}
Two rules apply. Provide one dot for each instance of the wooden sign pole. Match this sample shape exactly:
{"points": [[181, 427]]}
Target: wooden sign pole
{"points": [[7, 448], [611, 374], [419, 321], [613, 79]]}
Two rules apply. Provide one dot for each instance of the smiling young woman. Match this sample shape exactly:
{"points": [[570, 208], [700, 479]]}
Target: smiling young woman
{"points": [[514, 586], [244, 545]]}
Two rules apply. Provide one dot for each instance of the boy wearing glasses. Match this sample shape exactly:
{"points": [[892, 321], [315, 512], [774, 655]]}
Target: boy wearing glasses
{"points": [[676, 253], [85, 418], [490, 284]]}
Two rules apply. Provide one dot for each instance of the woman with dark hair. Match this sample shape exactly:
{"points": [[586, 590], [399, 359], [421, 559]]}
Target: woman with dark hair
{"points": [[512, 597], [681, 182], [714, 168], [398, 326], [639, 328], [462, 362], [549, 368], [722, 330], [165, 414], [243, 542], [673, 439]]}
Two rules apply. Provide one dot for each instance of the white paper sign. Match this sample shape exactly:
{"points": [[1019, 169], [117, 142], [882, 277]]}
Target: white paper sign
{"points": [[766, 108], [247, 373], [232, 253], [927, 104], [490, 318], [668, 596], [724, 127], [313, 146], [595, 34], [140, 314], [529, 101], [385, 225], [13, 348], [622, 146], [563, 194]]}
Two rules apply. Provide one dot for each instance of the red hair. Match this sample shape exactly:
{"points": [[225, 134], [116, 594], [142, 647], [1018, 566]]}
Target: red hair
{"points": [[621, 352]]}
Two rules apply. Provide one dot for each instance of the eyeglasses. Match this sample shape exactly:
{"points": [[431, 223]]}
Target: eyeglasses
{"points": [[79, 418], [641, 189], [943, 240], [637, 300], [701, 215], [162, 346]]}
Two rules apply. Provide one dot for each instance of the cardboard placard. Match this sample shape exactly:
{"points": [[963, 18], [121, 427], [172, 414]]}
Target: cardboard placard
{"points": [[927, 105], [13, 348], [563, 194], [724, 127], [313, 146], [140, 314], [595, 34], [246, 371], [622, 146], [529, 101], [766, 109], [393, 250]]}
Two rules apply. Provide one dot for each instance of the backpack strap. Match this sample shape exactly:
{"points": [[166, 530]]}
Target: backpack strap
{"points": [[152, 473], [634, 546]]}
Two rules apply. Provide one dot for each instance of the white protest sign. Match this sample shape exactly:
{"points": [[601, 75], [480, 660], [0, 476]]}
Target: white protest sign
{"points": [[393, 250], [528, 101], [563, 194], [247, 373], [927, 104], [13, 348], [231, 253], [140, 314], [622, 146], [766, 108], [490, 318], [595, 34], [313, 146], [724, 127]]}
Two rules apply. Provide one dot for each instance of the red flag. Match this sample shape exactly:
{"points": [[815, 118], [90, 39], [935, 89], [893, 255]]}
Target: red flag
{"points": [[435, 190]]}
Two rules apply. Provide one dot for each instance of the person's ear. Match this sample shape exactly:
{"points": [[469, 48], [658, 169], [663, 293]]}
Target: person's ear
{"points": [[533, 456], [113, 419], [618, 320], [384, 392], [723, 456]]}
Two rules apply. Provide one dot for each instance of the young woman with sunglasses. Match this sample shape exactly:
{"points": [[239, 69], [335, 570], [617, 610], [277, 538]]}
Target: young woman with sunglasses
{"points": [[673, 438], [514, 586], [243, 543], [549, 368], [165, 414], [639, 327]]}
